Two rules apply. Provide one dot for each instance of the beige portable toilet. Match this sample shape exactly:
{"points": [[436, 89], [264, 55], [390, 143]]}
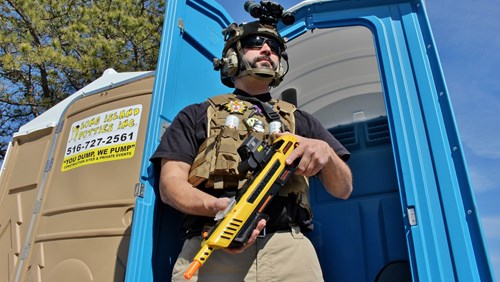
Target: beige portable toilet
{"points": [[67, 185]]}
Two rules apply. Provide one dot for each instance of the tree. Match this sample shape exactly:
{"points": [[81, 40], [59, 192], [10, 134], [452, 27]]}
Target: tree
{"points": [[50, 49]]}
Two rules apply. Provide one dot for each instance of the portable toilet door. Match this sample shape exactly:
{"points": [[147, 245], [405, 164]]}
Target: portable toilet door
{"points": [[191, 39], [437, 220], [369, 71], [67, 188]]}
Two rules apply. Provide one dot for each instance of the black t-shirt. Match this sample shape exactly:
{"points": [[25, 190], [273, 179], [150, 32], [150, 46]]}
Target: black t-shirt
{"points": [[188, 131]]}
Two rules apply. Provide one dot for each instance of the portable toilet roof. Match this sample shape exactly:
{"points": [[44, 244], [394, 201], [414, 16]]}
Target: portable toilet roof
{"points": [[109, 79]]}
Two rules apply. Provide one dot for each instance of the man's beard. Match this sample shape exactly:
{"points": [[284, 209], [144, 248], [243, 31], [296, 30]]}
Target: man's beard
{"points": [[257, 59]]}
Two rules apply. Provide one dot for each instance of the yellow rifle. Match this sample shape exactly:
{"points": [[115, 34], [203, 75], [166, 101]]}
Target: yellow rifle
{"points": [[234, 227]]}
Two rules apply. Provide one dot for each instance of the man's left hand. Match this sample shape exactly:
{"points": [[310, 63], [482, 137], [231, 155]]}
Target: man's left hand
{"points": [[314, 155]]}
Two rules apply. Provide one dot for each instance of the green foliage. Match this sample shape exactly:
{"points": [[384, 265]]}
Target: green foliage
{"points": [[52, 48]]}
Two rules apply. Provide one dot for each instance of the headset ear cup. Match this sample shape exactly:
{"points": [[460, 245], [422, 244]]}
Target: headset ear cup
{"points": [[230, 60]]}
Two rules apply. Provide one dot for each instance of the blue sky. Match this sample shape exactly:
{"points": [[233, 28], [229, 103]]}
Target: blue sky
{"points": [[467, 35]]}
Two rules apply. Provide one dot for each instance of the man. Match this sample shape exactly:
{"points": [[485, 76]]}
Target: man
{"points": [[199, 165]]}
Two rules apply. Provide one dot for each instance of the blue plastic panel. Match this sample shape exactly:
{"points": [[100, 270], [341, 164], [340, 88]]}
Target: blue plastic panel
{"points": [[357, 238], [447, 242], [191, 39]]}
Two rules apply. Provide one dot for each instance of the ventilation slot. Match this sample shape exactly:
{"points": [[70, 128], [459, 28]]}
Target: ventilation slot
{"points": [[377, 132], [345, 134]]}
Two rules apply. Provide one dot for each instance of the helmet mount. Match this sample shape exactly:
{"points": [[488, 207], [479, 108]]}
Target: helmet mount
{"points": [[269, 13], [233, 63]]}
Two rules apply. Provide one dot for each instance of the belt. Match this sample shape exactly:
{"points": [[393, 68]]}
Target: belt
{"points": [[268, 230], [273, 229]]}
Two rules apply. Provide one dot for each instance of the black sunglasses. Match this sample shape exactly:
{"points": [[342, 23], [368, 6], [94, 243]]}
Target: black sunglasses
{"points": [[258, 41]]}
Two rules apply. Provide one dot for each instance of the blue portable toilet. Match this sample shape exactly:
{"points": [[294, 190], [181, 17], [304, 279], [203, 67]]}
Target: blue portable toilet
{"points": [[369, 71]]}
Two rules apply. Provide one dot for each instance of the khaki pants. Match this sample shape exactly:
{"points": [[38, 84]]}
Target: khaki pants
{"points": [[282, 256]]}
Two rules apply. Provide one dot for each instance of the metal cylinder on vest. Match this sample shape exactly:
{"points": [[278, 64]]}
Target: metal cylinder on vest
{"points": [[275, 127], [232, 121]]}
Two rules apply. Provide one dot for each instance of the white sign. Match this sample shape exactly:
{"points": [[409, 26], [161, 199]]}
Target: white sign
{"points": [[103, 137]]}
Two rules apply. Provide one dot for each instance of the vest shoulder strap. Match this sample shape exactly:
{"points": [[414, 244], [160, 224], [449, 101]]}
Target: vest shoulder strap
{"points": [[286, 111], [285, 106], [220, 99], [215, 103], [225, 98]]}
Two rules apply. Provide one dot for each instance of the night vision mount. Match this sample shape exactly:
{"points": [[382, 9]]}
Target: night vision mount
{"points": [[269, 13]]}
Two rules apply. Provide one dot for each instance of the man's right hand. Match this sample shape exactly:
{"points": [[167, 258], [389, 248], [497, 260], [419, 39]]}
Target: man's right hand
{"points": [[255, 234], [221, 204]]}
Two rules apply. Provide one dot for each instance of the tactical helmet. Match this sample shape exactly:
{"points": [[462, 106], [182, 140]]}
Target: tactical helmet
{"points": [[233, 64]]}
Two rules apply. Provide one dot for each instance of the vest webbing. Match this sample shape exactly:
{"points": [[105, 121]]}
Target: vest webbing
{"points": [[217, 159]]}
